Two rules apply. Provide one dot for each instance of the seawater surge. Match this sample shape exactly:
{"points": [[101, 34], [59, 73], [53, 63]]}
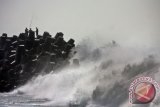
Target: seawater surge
{"points": [[102, 79]]}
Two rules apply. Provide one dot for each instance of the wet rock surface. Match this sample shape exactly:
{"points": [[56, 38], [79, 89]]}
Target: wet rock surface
{"points": [[27, 55]]}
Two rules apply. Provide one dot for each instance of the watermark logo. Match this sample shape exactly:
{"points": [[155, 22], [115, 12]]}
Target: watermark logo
{"points": [[143, 90]]}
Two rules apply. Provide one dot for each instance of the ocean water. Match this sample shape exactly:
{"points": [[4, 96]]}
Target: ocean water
{"points": [[101, 80]]}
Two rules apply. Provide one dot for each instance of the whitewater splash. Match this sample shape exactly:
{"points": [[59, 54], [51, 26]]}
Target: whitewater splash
{"points": [[102, 80]]}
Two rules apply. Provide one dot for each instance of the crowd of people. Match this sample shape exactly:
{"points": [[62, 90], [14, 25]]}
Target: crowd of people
{"points": [[23, 56]]}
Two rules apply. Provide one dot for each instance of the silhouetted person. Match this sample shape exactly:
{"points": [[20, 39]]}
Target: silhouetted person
{"points": [[26, 32], [29, 31], [37, 31], [31, 35]]}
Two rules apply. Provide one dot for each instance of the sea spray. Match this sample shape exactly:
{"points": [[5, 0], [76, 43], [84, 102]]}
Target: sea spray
{"points": [[102, 79]]}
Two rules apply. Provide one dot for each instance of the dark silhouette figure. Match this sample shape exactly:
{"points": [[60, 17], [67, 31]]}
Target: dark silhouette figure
{"points": [[31, 35], [37, 31], [26, 32]]}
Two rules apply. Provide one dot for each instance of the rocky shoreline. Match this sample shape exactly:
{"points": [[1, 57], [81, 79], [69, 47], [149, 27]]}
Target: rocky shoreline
{"points": [[27, 55]]}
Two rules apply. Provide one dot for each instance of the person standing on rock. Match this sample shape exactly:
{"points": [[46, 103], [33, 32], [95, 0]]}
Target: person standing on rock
{"points": [[37, 31]]}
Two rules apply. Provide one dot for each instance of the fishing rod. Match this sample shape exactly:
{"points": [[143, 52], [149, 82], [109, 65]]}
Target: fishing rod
{"points": [[31, 21]]}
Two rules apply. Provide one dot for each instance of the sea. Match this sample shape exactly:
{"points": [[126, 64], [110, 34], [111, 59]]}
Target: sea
{"points": [[102, 79]]}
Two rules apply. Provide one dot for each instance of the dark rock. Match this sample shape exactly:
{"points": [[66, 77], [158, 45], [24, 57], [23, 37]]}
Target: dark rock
{"points": [[26, 56]]}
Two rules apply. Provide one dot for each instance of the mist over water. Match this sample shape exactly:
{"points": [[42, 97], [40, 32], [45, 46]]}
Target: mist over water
{"points": [[102, 80]]}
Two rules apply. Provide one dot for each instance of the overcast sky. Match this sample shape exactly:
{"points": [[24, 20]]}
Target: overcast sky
{"points": [[131, 22]]}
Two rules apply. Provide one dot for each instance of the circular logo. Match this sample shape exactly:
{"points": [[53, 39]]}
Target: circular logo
{"points": [[144, 92]]}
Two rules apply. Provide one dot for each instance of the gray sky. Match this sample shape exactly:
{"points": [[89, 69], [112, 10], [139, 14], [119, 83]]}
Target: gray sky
{"points": [[129, 22]]}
